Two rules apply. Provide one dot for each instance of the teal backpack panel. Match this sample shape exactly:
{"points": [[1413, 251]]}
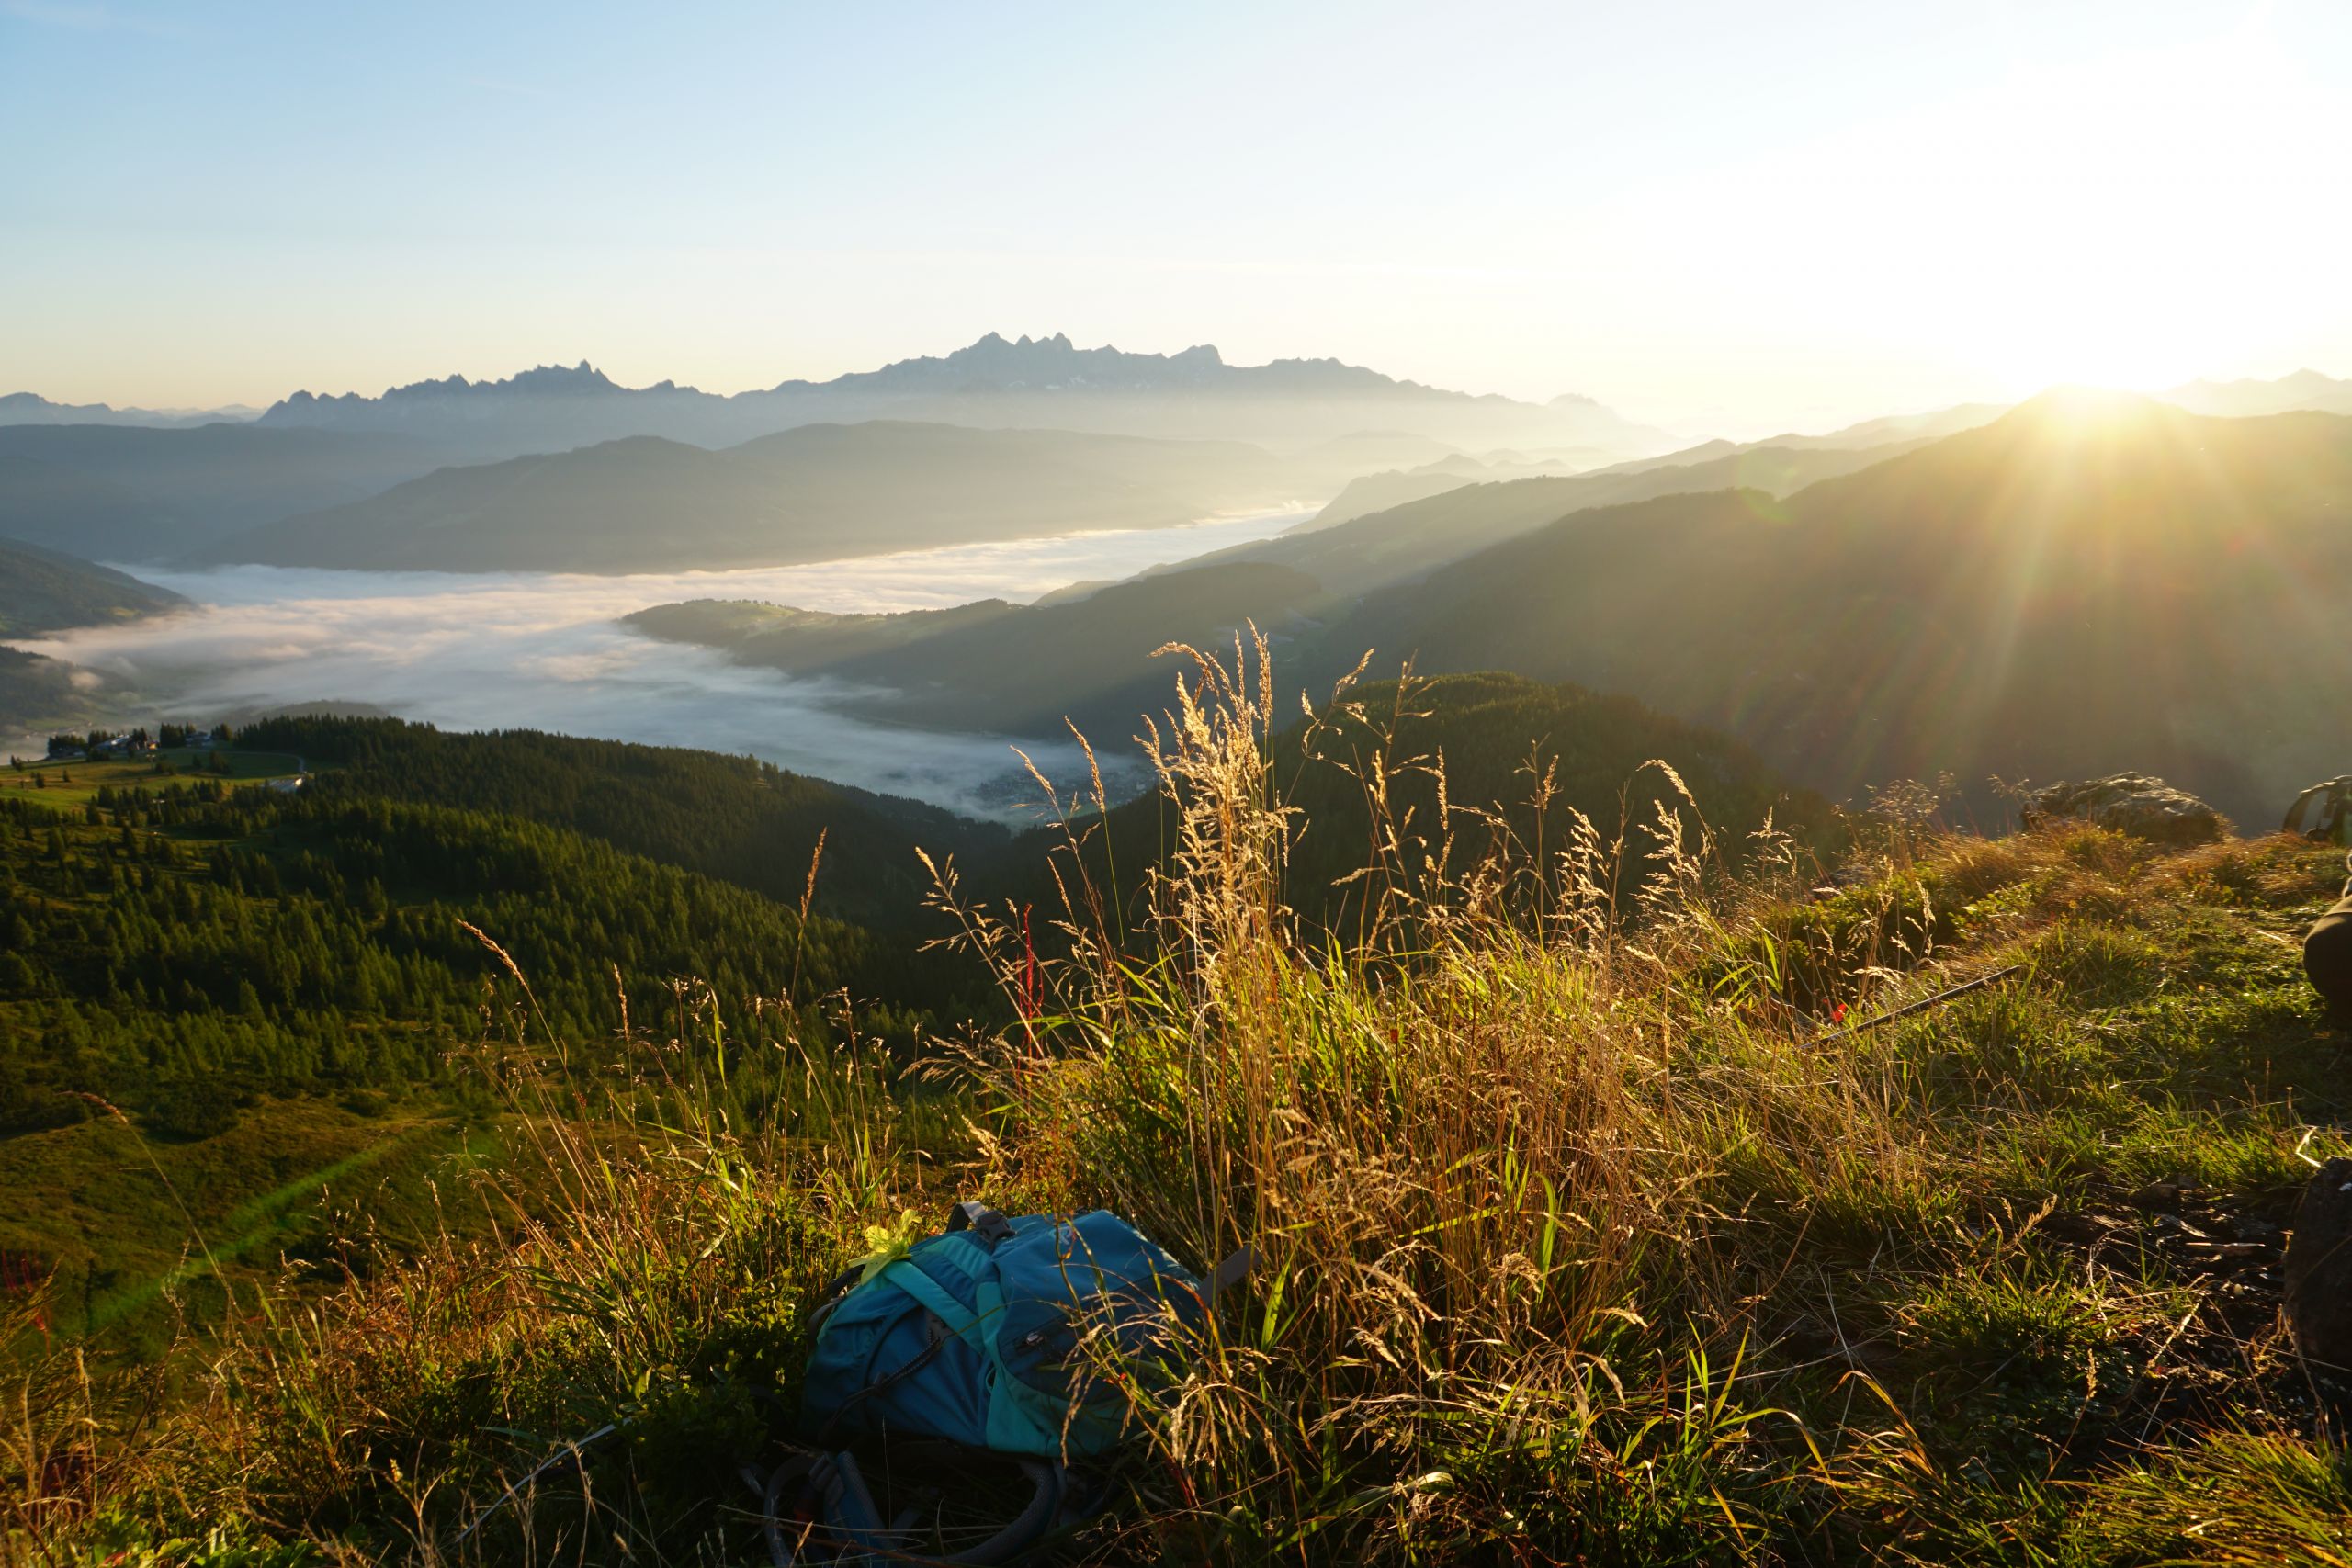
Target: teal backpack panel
{"points": [[973, 1336]]}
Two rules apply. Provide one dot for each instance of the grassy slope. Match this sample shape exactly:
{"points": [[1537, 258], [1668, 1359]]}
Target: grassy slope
{"points": [[86, 1201], [142, 1231], [729, 818], [57, 785], [1594, 1251], [1495, 736]]}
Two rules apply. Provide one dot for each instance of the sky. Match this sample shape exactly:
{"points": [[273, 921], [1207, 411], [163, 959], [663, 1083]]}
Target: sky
{"points": [[1724, 216]]}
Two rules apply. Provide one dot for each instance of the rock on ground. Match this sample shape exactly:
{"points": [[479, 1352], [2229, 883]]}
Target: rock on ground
{"points": [[2136, 804]]}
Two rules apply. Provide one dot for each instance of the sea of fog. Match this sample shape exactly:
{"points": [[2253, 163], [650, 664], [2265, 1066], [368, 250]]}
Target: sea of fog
{"points": [[541, 651]]}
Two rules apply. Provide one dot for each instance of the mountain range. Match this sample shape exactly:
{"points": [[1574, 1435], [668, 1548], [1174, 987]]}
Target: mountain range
{"points": [[2303, 390], [1036, 382], [816, 492], [2087, 583], [28, 408], [120, 493], [113, 487], [133, 485]]}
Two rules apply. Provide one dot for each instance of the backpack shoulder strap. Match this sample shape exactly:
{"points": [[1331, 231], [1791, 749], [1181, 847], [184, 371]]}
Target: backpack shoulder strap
{"points": [[832, 1489], [959, 1319]]}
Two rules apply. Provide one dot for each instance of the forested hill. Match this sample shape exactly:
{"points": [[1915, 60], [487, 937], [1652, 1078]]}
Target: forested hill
{"points": [[275, 989], [734, 819], [1020, 670], [818, 493], [43, 592]]}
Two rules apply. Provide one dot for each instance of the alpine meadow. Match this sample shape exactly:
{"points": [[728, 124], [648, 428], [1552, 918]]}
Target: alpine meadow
{"points": [[1555, 785]]}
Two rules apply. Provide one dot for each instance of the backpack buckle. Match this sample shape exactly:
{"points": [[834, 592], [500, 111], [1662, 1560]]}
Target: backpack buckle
{"points": [[982, 1221]]}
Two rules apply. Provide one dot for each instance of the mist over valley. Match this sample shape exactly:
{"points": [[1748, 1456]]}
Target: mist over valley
{"points": [[548, 651]]}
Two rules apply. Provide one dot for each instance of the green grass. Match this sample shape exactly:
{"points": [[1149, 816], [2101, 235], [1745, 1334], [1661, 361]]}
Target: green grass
{"points": [[68, 785], [1583, 1238], [146, 1234]]}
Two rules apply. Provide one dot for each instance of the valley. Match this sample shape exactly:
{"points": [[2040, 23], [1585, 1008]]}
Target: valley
{"points": [[1568, 913]]}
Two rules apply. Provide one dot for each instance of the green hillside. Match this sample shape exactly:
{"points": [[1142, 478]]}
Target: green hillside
{"points": [[2084, 586], [731, 818], [273, 987], [1588, 1232], [41, 591], [1013, 670], [37, 694]]}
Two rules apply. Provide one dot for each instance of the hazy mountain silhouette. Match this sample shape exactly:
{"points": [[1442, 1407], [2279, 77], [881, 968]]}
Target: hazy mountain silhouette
{"points": [[1889, 433], [1418, 536], [1030, 382], [2091, 582], [1771, 464], [1394, 487], [811, 493], [2303, 390], [28, 408], [120, 493]]}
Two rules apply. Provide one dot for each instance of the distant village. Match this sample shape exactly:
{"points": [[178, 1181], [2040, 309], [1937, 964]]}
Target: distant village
{"points": [[130, 746], [206, 748]]}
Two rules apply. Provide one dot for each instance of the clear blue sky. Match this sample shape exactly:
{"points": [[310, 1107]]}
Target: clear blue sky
{"points": [[1776, 214]]}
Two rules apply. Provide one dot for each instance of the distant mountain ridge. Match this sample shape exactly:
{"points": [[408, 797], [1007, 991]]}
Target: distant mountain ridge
{"points": [[30, 408], [990, 364], [1027, 382], [1054, 364], [2302, 390], [2090, 583], [813, 493], [125, 493]]}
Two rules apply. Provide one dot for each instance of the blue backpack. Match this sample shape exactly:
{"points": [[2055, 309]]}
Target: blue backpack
{"points": [[972, 1338]]}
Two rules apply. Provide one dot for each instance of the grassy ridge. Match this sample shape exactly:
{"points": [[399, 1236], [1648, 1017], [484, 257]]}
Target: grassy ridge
{"points": [[1586, 1237], [214, 997]]}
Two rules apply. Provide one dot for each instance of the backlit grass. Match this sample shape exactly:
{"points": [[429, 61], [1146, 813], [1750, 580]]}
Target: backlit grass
{"points": [[1591, 1229]]}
